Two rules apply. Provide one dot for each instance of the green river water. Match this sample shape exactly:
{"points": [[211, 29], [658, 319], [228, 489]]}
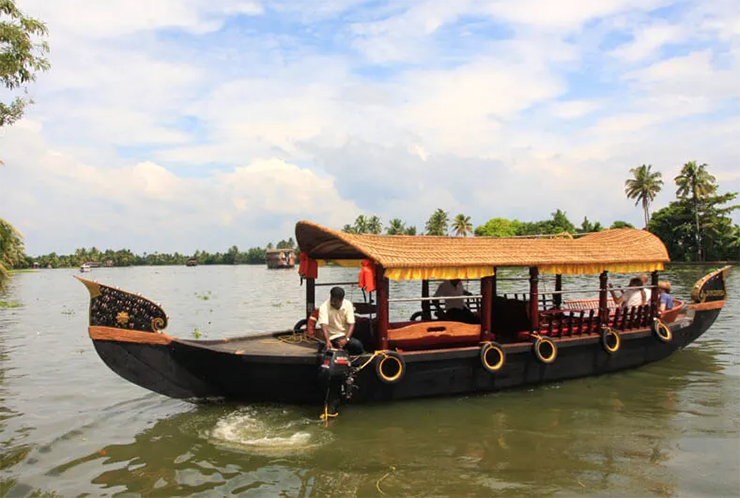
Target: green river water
{"points": [[71, 427]]}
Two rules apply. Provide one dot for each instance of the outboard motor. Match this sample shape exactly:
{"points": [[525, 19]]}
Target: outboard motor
{"points": [[336, 373], [335, 364]]}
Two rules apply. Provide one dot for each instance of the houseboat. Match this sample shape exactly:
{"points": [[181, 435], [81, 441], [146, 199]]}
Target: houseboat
{"points": [[280, 258], [523, 340]]}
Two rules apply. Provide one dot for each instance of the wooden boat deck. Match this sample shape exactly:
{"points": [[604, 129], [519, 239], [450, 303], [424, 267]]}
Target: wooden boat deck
{"points": [[263, 345]]}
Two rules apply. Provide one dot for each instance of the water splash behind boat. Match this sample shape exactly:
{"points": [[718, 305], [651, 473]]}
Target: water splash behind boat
{"points": [[273, 431]]}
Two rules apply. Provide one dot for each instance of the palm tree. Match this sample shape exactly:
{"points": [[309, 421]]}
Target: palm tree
{"points": [[462, 225], [374, 225], [696, 183], [410, 231], [643, 187], [360, 225], [396, 227], [437, 223]]}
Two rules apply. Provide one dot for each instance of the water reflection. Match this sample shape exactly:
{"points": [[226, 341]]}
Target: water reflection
{"points": [[594, 435]]}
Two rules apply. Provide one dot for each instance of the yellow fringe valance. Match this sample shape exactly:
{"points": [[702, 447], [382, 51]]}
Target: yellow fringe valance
{"points": [[592, 269], [475, 272], [444, 273], [346, 263]]}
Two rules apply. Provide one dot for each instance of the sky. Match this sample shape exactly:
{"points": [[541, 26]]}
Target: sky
{"points": [[176, 125]]}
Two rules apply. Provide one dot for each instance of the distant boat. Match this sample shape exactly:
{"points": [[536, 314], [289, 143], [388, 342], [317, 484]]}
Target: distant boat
{"points": [[280, 258], [191, 262], [85, 268]]}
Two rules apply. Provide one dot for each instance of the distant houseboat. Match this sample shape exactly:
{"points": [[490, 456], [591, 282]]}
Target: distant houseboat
{"points": [[191, 262], [280, 258], [85, 268]]}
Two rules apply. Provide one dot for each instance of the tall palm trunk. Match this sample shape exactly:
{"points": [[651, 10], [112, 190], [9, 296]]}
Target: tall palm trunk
{"points": [[699, 255], [646, 211]]}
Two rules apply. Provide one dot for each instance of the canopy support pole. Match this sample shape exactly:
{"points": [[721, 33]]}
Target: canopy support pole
{"points": [[381, 286], [426, 309], [534, 297], [486, 287], [310, 296], [494, 290], [558, 298], [654, 294], [603, 307]]}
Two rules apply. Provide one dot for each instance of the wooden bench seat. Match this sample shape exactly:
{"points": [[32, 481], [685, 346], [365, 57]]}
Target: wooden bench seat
{"points": [[412, 336]]}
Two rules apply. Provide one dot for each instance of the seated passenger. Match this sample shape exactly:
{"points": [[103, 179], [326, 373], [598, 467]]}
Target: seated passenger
{"points": [[666, 300], [454, 309], [633, 296], [648, 292]]}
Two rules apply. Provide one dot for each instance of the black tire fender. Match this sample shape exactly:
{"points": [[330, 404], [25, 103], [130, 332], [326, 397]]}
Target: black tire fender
{"points": [[610, 340], [542, 355], [492, 357], [390, 367]]}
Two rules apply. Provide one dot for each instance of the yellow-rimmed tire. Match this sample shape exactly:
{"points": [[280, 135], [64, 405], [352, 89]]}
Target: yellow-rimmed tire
{"points": [[545, 350], [611, 340], [492, 357], [390, 367], [662, 331]]}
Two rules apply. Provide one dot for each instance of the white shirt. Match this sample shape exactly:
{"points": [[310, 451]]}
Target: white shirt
{"points": [[633, 297], [336, 321], [447, 289]]}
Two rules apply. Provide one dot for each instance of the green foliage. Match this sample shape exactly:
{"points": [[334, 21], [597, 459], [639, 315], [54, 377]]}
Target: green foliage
{"points": [[364, 224], [21, 57], [437, 223], [643, 187], [501, 227], [396, 227], [462, 225], [621, 224], [588, 227], [695, 184], [286, 244], [11, 251], [124, 257], [498, 227], [9, 304]]}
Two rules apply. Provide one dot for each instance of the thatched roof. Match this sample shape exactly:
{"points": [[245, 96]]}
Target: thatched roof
{"points": [[625, 249]]}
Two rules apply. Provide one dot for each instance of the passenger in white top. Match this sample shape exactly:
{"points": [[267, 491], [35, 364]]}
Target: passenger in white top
{"points": [[455, 309], [337, 321], [633, 296], [648, 292], [450, 288]]}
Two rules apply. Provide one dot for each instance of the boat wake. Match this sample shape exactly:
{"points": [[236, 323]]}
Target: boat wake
{"points": [[273, 431]]}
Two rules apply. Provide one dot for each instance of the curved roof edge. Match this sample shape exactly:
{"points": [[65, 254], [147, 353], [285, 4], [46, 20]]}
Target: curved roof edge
{"points": [[422, 256]]}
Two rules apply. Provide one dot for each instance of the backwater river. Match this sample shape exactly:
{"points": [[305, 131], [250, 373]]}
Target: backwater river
{"points": [[69, 426]]}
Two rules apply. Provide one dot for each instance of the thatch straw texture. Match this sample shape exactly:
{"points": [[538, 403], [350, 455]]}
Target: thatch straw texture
{"points": [[613, 250]]}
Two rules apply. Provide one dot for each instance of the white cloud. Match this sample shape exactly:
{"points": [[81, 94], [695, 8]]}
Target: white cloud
{"points": [[159, 131], [649, 39], [114, 18], [573, 109]]}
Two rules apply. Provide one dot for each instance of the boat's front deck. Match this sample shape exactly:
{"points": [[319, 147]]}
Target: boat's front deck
{"points": [[264, 345]]}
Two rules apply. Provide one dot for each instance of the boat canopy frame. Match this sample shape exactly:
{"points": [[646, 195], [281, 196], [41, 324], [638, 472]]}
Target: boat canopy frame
{"points": [[425, 258]]}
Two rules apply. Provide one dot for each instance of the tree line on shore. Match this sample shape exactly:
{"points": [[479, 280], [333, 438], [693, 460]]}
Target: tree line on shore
{"points": [[124, 257]]}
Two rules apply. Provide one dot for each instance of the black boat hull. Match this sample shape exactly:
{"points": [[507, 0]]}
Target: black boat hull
{"points": [[191, 370]]}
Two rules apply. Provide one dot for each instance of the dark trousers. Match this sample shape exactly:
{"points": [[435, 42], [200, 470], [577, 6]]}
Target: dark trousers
{"points": [[353, 346], [460, 315]]}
